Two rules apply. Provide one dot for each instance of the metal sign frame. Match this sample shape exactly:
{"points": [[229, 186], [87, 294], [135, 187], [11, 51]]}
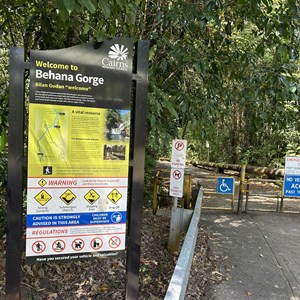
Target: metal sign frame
{"points": [[17, 162]]}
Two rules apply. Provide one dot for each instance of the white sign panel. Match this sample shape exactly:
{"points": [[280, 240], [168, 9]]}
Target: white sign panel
{"points": [[178, 153], [176, 182]]}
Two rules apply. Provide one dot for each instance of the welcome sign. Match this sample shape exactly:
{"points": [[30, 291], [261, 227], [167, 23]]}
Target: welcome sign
{"points": [[78, 151]]}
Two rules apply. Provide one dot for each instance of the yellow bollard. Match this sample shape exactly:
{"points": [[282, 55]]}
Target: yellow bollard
{"points": [[241, 189]]}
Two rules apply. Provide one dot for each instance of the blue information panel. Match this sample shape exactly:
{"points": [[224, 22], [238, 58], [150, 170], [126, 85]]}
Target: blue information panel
{"points": [[225, 185], [291, 186]]}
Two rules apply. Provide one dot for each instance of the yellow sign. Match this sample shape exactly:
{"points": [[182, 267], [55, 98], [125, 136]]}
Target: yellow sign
{"points": [[92, 196], [68, 197], [52, 132], [42, 197], [42, 182], [114, 196]]}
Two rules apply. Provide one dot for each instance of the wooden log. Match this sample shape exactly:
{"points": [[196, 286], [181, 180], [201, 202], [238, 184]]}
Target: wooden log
{"points": [[249, 169]]}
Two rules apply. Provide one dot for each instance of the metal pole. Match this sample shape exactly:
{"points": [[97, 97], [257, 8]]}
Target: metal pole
{"points": [[15, 174], [137, 172]]}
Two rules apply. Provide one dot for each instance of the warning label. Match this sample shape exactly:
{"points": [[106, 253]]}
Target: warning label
{"points": [[68, 197], [42, 182], [92, 196], [42, 197], [114, 196]]}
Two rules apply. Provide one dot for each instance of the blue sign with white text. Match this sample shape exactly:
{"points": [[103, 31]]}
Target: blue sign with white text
{"points": [[68, 219], [225, 185], [291, 186]]}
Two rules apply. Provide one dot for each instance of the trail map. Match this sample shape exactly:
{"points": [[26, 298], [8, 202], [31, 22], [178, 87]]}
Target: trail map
{"points": [[51, 136]]}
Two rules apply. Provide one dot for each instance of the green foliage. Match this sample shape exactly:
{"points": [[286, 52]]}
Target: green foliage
{"points": [[226, 72]]}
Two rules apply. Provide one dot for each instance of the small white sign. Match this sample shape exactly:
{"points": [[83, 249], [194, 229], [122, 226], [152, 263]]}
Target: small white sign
{"points": [[178, 154], [176, 182], [292, 165]]}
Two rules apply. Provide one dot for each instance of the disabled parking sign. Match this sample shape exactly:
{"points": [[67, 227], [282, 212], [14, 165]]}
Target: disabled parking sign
{"points": [[225, 185]]}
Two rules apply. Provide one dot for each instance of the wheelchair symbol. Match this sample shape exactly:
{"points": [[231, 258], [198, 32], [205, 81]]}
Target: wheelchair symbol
{"points": [[224, 187]]}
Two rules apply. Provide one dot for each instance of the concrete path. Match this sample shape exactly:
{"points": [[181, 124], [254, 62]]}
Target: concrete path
{"points": [[261, 254]]}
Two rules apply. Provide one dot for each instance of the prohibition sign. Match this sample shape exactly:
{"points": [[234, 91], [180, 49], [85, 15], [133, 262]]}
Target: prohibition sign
{"points": [[114, 242], [96, 243], [177, 174], [78, 244], [179, 146], [38, 247], [58, 245]]}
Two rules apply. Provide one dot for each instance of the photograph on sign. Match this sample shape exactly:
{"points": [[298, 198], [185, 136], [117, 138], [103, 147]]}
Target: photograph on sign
{"points": [[78, 153], [178, 158]]}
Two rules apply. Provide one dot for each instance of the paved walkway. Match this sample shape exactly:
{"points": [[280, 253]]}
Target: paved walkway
{"points": [[261, 252]]}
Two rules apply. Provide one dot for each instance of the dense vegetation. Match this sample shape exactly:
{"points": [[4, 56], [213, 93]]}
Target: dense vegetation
{"points": [[223, 73]]}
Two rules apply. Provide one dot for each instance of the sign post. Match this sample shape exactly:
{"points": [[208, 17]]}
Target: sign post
{"points": [[82, 170], [178, 161]]}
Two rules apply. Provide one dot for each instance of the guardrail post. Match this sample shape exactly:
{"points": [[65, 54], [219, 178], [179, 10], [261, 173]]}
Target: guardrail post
{"points": [[241, 189]]}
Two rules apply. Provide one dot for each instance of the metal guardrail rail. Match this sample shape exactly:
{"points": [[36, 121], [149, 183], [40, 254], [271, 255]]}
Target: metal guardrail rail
{"points": [[178, 284]]}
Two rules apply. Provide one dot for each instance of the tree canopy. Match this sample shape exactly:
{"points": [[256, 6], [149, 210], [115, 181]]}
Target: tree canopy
{"points": [[226, 72]]}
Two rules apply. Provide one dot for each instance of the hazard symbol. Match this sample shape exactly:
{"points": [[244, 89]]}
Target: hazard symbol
{"points": [[114, 242], [68, 197], [92, 196], [38, 247], [42, 197], [78, 244], [42, 182], [96, 243], [177, 174], [114, 196], [59, 246]]}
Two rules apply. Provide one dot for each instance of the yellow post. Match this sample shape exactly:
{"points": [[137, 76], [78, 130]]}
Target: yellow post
{"points": [[187, 193], [241, 188]]}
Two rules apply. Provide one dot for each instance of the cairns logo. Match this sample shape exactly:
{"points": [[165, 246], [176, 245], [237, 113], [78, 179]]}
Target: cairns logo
{"points": [[117, 58]]}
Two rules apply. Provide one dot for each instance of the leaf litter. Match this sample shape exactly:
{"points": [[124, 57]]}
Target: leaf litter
{"points": [[105, 279]]}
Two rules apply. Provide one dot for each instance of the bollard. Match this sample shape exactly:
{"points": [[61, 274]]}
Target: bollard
{"points": [[241, 189]]}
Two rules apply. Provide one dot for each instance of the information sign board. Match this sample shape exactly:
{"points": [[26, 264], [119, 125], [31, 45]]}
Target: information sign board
{"points": [[291, 182], [78, 151]]}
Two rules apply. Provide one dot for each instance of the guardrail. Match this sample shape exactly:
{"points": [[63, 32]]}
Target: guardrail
{"points": [[178, 284]]}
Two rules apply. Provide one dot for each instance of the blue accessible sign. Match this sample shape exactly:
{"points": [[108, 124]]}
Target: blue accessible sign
{"points": [[225, 185]]}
